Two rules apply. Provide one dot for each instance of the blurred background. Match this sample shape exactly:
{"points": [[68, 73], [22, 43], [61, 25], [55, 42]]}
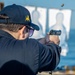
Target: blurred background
{"points": [[56, 15]]}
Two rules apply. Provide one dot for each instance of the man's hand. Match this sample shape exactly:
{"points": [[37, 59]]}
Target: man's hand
{"points": [[55, 39], [52, 38]]}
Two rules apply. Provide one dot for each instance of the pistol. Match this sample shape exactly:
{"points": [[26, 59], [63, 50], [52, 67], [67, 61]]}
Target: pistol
{"points": [[55, 32]]}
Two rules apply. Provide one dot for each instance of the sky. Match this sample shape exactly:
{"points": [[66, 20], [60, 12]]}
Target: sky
{"points": [[46, 3]]}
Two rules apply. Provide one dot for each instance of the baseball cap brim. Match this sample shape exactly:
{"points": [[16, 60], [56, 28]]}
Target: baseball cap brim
{"points": [[34, 26]]}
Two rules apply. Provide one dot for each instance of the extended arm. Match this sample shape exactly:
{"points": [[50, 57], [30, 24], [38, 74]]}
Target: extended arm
{"points": [[50, 54]]}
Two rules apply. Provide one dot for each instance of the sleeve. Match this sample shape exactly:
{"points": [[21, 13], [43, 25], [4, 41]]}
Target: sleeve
{"points": [[49, 56]]}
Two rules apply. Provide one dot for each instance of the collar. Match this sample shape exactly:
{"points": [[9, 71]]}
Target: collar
{"points": [[5, 34]]}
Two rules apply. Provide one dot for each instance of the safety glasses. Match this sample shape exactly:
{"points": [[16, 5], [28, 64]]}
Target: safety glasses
{"points": [[30, 31]]}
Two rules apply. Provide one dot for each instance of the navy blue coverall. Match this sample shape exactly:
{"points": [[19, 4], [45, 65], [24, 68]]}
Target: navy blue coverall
{"points": [[28, 52]]}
